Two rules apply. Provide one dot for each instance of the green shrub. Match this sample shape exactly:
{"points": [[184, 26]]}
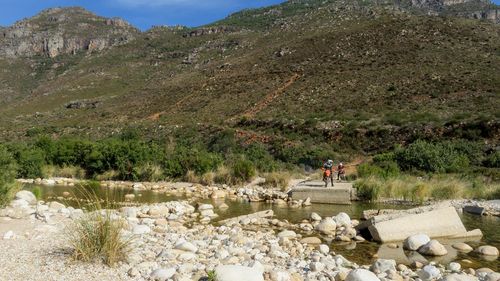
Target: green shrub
{"points": [[369, 188], [37, 191], [8, 172], [431, 157], [493, 160], [385, 169], [243, 170], [30, 162]]}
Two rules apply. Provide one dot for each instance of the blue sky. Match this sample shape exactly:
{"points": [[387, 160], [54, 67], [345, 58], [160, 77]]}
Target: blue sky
{"points": [[141, 13]]}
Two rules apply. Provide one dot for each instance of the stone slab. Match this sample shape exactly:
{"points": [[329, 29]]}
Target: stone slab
{"points": [[441, 222], [341, 193]]}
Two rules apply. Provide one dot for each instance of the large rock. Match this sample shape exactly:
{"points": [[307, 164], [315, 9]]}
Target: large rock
{"points": [[414, 242], [56, 206], [186, 246], [327, 226], [238, 273], [311, 240], [26, 196], [280, 276], [429, 272], [462, 247], [487, 250], [315, 217], [433, 248], [342, 219], [382, 265], [361, 275], [162, 274], [141, 229], [435, 221], [257, 215], [287, 234]]}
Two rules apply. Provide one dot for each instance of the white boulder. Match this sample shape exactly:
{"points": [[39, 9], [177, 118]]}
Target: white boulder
{"points": [[361, 275], [433, 248], [429, 272], [26, 196], [238, 272], [287, 234], [342, 219], [162, 274], [487, 250], [383, 265], [415, 241], [141, 229], [327, 226], [186, 246]]}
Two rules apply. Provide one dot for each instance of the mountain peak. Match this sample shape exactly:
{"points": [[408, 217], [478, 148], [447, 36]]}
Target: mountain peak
{"points": [[66, 30]]}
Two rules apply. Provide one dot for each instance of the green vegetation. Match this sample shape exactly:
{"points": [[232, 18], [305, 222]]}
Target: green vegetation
{"points": [[130, 158], [418, 189], [7, 176], [211, 276], [430, 171]]}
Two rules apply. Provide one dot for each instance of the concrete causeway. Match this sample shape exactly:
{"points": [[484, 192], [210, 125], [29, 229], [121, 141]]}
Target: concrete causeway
{"points": [[340, 193]]}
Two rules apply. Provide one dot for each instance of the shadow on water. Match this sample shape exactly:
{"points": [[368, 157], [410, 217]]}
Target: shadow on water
{"points": [[361, 253]]}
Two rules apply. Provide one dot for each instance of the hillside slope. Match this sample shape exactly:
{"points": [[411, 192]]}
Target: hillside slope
{"points": [[288, 71]]}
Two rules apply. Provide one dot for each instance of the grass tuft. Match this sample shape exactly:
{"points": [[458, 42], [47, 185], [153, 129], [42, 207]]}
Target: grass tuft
{"points": [[97, 235]]}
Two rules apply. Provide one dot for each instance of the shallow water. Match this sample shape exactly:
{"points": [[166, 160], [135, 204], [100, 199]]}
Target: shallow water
{"points": [[361, 253]]}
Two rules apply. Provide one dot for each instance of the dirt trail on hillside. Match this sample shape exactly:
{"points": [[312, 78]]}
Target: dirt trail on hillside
{"points": [[271, 97]]}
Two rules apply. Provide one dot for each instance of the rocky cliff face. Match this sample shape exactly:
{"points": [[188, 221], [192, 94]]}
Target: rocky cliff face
{"points": [[63, 31]]}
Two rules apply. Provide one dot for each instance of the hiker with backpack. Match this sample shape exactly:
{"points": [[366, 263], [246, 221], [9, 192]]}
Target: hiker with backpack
{"points": [[328, 172]]}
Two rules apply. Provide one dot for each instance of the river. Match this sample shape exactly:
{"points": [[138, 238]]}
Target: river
{"points": [[361, 253]]}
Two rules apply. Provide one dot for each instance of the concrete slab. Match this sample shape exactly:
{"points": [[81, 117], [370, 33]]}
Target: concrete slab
{"points": [[340, 193], [440, 222]]}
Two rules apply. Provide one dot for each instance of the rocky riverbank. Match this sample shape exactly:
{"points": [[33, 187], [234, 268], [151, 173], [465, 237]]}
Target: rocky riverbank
{"points": [[252, 192], [176, 241]]}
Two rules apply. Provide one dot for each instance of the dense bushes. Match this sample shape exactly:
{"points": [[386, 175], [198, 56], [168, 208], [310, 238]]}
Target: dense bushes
{"points": [[433, 157], [7, 176], [382, 177], [130, 158]]}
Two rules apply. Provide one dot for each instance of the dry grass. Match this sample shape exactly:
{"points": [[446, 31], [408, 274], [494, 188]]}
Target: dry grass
{"points": [[97, 235], [223, 176], [208, 178], [74, 172], [7, 192], [191, 177], [439, 187], [108, 175], [279, 180]]}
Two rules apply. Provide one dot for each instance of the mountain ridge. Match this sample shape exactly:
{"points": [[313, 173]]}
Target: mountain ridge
{"points": [[361, 67]]}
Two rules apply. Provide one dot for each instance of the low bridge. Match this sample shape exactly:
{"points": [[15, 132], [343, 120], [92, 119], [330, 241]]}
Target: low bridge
{"points": [[340, 193]]}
